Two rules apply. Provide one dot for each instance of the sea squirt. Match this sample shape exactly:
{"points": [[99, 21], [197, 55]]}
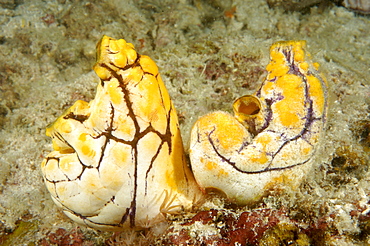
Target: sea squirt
{"points": [[270, 141], [118, 161]]}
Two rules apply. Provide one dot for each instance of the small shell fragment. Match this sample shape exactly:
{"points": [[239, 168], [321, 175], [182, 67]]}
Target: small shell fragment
{"points": [[361, 6], [118, 161], [271, 140]]}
